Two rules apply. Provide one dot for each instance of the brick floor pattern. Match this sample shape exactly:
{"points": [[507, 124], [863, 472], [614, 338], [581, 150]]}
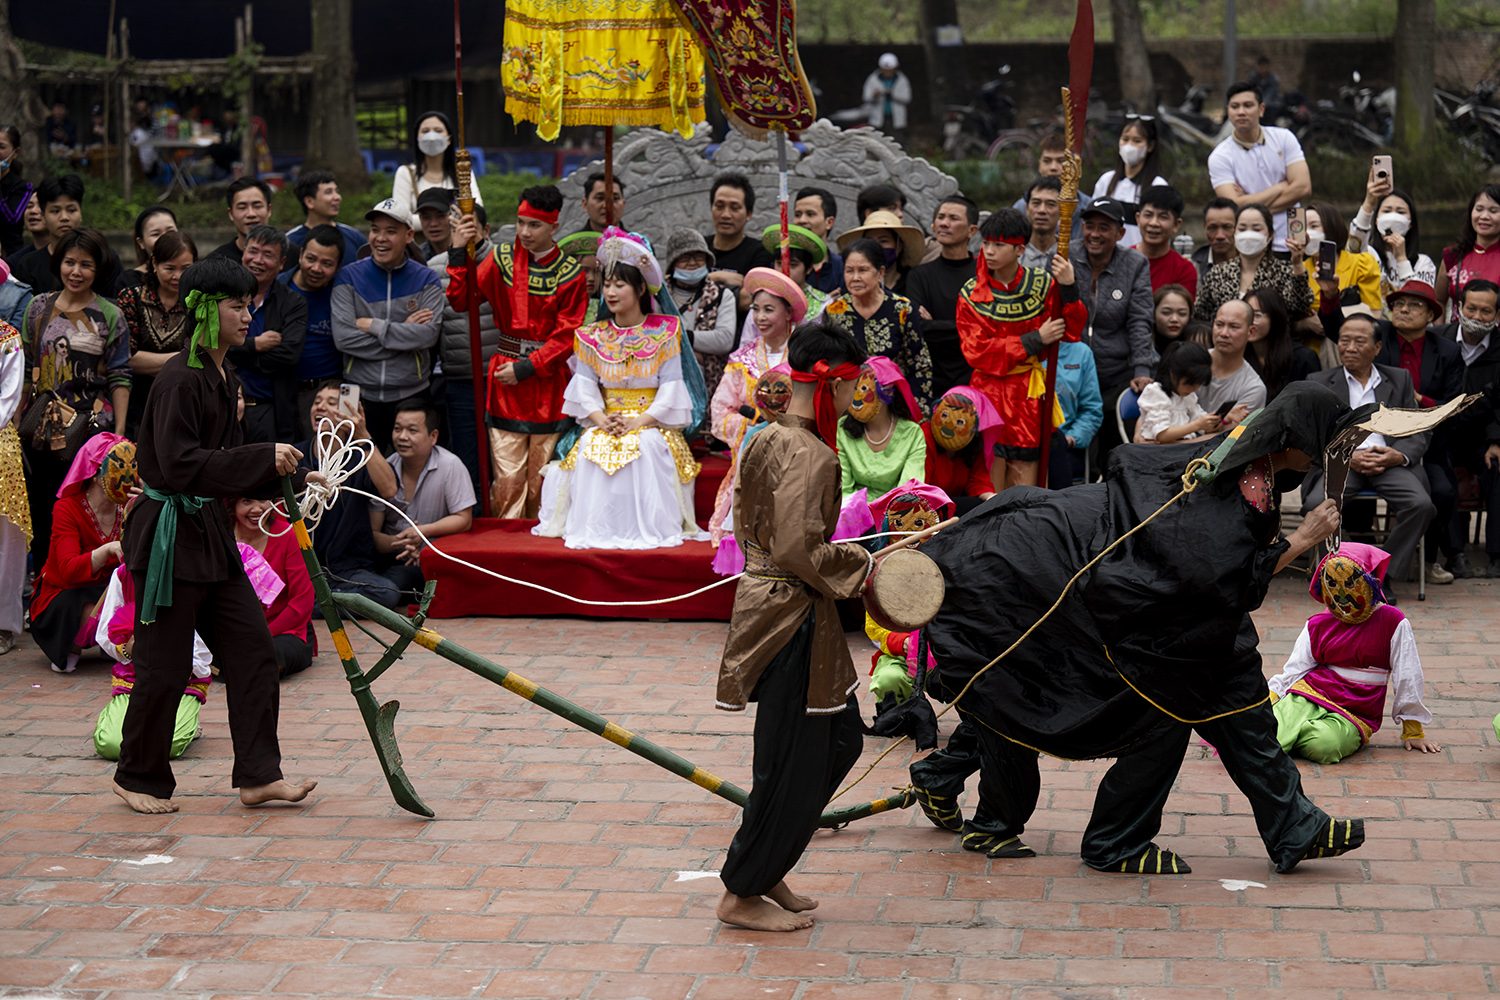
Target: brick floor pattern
{"points": [[552, 868]]}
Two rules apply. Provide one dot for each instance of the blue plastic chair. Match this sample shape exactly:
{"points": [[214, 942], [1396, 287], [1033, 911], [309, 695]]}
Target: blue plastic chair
{"points": [[1128, 407]]}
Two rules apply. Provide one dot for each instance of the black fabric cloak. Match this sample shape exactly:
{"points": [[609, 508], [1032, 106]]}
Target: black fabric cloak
{"points": [[1160, 628]]}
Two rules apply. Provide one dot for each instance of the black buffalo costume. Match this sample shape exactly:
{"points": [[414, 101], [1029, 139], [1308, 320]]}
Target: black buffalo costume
{"points": [[1153, 642]]}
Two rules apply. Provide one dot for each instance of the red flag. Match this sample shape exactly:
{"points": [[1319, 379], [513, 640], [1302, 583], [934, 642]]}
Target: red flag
{"points": [[1080, 69]]}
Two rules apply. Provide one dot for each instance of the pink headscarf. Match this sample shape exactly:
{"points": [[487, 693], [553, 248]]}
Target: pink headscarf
{"points": [[990, 420], [935, 496], [888, 375], [86, 463], [4, 272], [1372, 559], [264, 580]]}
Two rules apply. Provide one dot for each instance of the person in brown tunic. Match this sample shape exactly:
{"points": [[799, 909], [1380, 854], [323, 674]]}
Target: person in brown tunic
{"points": [[786, 649], [186, 567]]}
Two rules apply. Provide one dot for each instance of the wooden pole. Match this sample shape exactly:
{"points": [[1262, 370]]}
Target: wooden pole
{"points": [[471, 280], [244, 36], [109, 57], [609, 175], [125, 166]]}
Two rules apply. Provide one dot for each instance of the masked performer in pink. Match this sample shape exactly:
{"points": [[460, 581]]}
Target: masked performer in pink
{"points": [[1331, 694]]}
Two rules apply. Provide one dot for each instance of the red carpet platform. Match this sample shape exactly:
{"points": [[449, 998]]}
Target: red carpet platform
{"points": [[509, 547]]}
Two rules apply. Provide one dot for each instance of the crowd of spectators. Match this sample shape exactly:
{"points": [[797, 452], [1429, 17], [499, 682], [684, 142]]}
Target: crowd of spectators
{"points": [[1192, 343]]}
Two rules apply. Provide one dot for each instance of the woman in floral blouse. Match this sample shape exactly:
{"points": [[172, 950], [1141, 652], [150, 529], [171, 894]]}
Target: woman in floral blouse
{"points": [[1254, 266], [883, 322], [156, 317]]}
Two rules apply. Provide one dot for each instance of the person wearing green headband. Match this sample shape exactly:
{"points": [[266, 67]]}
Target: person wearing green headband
{"points": [[186, 567]]}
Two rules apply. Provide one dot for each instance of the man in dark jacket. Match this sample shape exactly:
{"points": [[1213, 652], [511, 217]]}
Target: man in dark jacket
{"points": [[1474, 435], [934, 288], [267, 361]]}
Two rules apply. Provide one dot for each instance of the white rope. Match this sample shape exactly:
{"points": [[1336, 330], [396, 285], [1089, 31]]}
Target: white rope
{"points": [[334, 458]]}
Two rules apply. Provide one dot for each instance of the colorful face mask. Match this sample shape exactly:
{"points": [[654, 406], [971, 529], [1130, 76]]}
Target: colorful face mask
{"points": [[1351, 594], [908, 512], [117, 472], [773, 394], [867, 403], [954, 422]]}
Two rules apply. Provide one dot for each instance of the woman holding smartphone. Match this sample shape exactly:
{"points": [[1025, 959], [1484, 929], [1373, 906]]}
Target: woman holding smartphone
{"points": [[1386, 227]]}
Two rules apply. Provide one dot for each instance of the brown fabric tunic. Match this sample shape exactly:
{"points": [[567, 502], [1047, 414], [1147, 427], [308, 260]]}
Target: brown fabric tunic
{"points": [[190, 443], [787, 504]]}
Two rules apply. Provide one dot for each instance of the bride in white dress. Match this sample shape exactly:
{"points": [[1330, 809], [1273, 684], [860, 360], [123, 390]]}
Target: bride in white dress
{"points": [[628, 482]]}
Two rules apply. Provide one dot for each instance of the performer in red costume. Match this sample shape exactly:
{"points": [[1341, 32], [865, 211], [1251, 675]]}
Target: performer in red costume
{"points": [[539, 295], [1007, 316]]}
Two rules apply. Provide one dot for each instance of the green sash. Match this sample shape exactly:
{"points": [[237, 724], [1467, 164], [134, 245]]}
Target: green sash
{"points": [[159, 570]]}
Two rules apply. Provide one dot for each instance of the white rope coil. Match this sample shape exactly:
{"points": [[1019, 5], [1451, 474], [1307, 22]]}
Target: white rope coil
{"points": [[338, 459]]}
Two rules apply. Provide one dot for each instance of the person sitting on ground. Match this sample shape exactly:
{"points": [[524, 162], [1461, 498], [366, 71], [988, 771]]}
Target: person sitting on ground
{"points": [[1331, 693], [317, 191], [1276, 357], [150, 224], [344, 542], [114, 633], [289, 614], [1174, 309], [435, 211], [1234, 380], [249, 201], [1134, 171], [961, 436], [1169, 406], [433, 489], [707, 308], [777, 307], [1386, 227], [86, 523], [156, 317], [434, 164], [882, 322], [934, 289], [1008, 316], [880, 440], [628, 482], [1159, 218]]}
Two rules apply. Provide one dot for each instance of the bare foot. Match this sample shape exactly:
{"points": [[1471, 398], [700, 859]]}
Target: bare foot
{"points": [[754, 913], [276, 791], [785, 898], [142, 803]]}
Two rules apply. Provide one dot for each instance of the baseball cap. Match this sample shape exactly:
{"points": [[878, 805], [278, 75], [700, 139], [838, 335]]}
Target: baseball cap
{"points": [[436, 197], [888, 60], [390, 210], [1106, 207]]}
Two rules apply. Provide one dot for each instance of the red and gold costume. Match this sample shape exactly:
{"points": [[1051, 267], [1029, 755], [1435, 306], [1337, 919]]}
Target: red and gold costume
{"points": [[992, 320], [537, 321]]}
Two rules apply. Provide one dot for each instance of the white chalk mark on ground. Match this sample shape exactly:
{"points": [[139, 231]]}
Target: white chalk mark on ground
{"points": [[1236, 884], [690, 876], [150, 859]]}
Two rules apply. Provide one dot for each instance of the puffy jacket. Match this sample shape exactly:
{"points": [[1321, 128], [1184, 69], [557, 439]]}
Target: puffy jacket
{"points": [[15, 296], [453, 342], [1078, 392], [393, 359]]}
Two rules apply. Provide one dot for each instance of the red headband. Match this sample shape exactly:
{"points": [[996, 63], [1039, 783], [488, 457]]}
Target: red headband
{"points": [[532, 212], [823, 403], [1014, 241]]}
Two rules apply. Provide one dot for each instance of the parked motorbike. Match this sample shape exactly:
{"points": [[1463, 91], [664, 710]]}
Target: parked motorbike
{"points": [[1187, 123], [970, 129], [1361, 120]]}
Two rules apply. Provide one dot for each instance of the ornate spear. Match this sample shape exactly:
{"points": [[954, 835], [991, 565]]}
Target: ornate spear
{"points": [[1075, 101], [471, 280]]}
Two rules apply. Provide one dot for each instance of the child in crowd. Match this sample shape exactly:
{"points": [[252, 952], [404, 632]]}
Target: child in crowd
{"points": [[1331, 694], [961, 437], [880, 443], [1169, 406], [785, 648]]}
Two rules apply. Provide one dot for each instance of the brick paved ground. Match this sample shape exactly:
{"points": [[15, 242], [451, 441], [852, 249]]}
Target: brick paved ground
{"points": [[551, 870]]}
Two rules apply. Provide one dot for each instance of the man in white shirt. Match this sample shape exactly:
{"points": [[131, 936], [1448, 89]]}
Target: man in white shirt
{"points": [[1234, 381], [1391, 468], [1259, 163]]}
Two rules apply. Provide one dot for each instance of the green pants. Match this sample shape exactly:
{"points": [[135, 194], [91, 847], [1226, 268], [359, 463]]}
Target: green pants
{"points": [[112, 720], [1307, 729], [890, 677]]}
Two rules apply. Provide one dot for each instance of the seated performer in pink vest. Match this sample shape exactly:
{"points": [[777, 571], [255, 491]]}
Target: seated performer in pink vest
{"points": [[1331, 694]]}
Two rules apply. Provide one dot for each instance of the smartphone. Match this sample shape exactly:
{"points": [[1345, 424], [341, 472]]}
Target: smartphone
{"points": [[349, 399], [1223, 410], [1296, 226], [1381, 166], [1328, 258]]}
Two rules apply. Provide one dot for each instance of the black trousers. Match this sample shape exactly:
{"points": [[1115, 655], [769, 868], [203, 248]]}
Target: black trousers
{"points": [[232, 623], [1010, 782], [293, 654], [1442, 484], [1128, 806], [943, 772], [259, 422], [800, 760]]}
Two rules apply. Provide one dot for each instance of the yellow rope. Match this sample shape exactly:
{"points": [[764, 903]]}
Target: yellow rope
{"points": [[1189, 484]]}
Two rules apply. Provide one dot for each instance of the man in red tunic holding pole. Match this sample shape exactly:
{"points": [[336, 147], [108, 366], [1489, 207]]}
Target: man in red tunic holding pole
{"points": [[1008, 315], [539, 295]]}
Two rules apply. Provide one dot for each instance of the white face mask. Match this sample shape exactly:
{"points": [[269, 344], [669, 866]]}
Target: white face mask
{"points": [[1315, 238], [1387, 223], [1249, 242], [432, 143], [1131, 153]]}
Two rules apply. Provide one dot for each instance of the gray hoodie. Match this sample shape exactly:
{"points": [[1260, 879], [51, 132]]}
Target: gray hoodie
{"points": [[393, 359]]}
